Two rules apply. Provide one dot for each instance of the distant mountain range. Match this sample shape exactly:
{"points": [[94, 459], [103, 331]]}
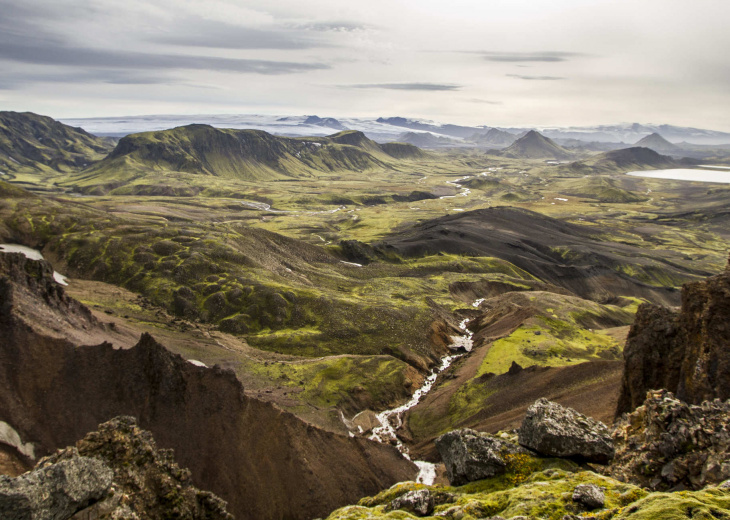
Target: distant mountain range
{"points": [[384, 129]]}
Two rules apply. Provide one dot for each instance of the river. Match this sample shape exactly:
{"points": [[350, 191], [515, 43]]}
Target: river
{"points": [[391, 420]]}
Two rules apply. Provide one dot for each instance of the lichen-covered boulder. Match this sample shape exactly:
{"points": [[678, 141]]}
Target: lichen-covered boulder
{"points": [[666, 443], [55, 492], [555, 431], [470, 455], [146, 481], [420, 502], [589, 495]]}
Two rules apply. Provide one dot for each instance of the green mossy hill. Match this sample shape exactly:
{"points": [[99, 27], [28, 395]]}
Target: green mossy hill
{"points": [[558, 330], [242, 155], [534, 145], [32, 142], [533, 488], [283, 294], [403, 151], [603, 189], [624, 160], [541, 329], [8, 191]]}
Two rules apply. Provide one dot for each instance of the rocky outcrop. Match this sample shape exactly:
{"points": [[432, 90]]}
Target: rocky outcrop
{"points": [[420, 502], [589, 495], [145, 481], [667, 444], [55, 491], [556, 431], [470, 455], [266, 463], [685, 352]]}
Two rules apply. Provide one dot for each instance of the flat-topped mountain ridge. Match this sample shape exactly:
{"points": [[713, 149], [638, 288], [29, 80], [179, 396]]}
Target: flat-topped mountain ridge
{"points": [[246, 155], [627, 159]]}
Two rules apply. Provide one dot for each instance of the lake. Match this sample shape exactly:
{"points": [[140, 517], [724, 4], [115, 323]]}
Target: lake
{"points": [[685, 174]]}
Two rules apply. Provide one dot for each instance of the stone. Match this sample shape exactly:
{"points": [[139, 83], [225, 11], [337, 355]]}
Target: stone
{"points": [[146, 480], [420, 502], [555, 431], [682, 351], [666, 444], [470, 455], [56, 491], [589, 495]]}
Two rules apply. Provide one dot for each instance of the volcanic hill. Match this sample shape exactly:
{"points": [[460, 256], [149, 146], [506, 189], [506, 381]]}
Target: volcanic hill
{"points": [[39, 143], [246, 155], [571, 256], [657, 143], [534, 145], [494, 137], [625, 159]]}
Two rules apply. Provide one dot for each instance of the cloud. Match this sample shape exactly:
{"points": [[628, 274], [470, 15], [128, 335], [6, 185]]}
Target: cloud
{"points": [[206, 33], [484, 101], [521, 57], [27, 36], [408, 86], [332, 27], [114, 77], [536, 78], [61, 55]]}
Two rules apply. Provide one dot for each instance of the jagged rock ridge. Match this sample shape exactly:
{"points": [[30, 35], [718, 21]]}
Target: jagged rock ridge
{"points": [[265, 462], [685, 351]]}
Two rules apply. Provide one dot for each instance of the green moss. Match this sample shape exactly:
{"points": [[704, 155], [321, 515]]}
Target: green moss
{"points": [[707, 504], [544, 494]]}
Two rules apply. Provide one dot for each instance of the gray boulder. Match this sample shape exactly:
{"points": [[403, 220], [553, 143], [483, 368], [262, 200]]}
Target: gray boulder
{"points": [[589, 495], [556, 431], [470, 455], [419, 502], [55, 492]]}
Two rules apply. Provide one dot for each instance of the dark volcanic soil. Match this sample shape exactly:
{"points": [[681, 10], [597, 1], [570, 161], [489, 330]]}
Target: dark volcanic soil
{"points": [[567, 255]]}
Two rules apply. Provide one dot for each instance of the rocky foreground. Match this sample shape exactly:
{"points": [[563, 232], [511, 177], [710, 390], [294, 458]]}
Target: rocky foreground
{"points": [[116, 472], [669, 458], [543, 472]]}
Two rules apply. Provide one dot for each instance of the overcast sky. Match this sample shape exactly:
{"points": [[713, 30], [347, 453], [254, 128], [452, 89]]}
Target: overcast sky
{"points": [[492, 62]]}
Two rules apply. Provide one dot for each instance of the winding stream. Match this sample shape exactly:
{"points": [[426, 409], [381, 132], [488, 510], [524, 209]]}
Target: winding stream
{"points": [[391, 420]]}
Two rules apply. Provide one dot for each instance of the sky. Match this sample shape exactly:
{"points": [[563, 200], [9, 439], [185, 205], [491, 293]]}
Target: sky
{"points": [[481, 62]]}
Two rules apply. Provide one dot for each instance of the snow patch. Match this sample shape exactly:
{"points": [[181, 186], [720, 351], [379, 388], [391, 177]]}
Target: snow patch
{"points": [[31, 254], [9, 436], [197, 363]]}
